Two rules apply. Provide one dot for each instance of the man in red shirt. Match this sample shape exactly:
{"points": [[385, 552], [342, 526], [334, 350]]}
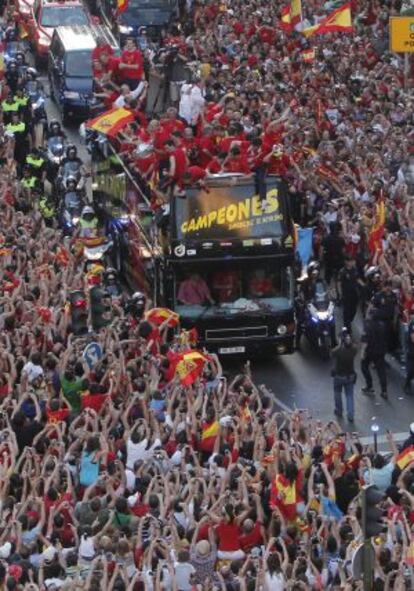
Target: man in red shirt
{"points": [[131, 65], [236, 162], [171, 123], [178, 164]]}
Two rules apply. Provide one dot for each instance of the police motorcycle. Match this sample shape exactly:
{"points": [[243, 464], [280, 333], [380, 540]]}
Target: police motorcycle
{"points": [[34, 91], [55, 145], [135, 305], [320, 325], [71, 166], [317, 316], [71, 206], [115, 218], [22, 65]]}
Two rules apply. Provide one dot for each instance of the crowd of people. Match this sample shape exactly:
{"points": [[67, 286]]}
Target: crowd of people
{"points": [[132, 475], [338, 127]]}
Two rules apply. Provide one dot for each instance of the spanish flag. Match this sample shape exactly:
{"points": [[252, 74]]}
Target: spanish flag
{"points": [[189, 337], [409, 557], [209, 432], [340, 20], [111, 122], [159, 315], [327, 173], [308, 55], [62, 256], [405, 457], [377, 231], [121, 6], [190, 366], [291, 15], [246, 415], [23, 31], [283, 494]]}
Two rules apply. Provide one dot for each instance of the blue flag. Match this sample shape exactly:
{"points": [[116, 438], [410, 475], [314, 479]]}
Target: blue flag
{"points": [[304, 248]]}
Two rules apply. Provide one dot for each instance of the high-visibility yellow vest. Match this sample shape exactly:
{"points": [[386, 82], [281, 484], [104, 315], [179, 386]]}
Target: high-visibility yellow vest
{"points": [[88, 225], [46, 209], [35, 162], [16, 127], [10, 107], [29, 182], [22, 101]]}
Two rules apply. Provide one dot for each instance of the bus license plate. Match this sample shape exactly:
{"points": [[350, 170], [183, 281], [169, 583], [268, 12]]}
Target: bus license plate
{"points": [[228, 350]]}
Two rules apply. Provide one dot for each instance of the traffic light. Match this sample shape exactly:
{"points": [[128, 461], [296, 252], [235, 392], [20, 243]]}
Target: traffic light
{"points": [[101, 307], [371, 515], [78, 312]]}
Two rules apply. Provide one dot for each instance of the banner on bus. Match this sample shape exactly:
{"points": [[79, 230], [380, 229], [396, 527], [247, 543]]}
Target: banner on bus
{"points": [[227, 212]]}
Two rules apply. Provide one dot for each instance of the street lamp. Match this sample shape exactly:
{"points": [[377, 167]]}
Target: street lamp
{"points": [[375, 429]]}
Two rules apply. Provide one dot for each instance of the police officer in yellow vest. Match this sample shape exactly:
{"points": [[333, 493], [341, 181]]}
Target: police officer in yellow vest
{"points": [[19, 129], [47, 209], [28, 180], [23, 100], [37, 163], [8, 106], [88, 223]]}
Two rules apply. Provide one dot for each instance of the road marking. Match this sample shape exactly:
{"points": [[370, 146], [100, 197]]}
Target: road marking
{"points": [[279, 402], [366, 440]]}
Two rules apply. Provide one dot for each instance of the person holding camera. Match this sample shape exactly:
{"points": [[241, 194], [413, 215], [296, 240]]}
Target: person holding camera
{"points": [[343, 373]]}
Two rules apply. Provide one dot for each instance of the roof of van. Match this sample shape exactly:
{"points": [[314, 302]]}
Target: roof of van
{"points": [[83, 37]]}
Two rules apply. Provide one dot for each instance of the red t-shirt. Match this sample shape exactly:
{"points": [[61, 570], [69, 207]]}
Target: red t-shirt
{"points": [[228, 535], [133, 58], [171, 125], [144, 164], [237, 164], [94, 401], [205, 144], [252, 539], [196, 173], [55, 416], [98, 51], [214, 166], [180, 163]]}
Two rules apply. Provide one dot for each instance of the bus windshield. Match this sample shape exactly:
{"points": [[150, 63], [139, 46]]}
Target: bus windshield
{"points": [[232, 287]]}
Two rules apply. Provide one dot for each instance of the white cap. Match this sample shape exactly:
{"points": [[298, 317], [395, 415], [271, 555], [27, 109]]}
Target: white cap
{"points": [[49, 553], [5, 550], [412, 428], [225, 421], [176, 458]]}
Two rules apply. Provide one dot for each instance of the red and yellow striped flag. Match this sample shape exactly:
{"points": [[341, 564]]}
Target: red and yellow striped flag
{"points": [[308, 55], [159, 315], [190, 366], [340, 20], [210, 430], [111, 122], [23, 30], [377, 232], [291, 15], [327, 173], [405, 457], [121, 6], [409, 557]]}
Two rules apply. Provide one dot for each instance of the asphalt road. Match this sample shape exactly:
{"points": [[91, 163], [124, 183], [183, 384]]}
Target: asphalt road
{"points": [[303, 380]]}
